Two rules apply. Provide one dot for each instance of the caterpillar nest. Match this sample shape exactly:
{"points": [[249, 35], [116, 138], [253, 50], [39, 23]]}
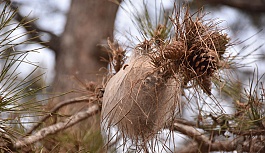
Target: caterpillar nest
{"points": [[138, 100]]}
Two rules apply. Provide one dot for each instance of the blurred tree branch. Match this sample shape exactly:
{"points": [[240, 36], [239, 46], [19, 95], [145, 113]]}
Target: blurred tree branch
{"points": [[54, 41], [253, 6], [60, 105], [74, 119], [204, 143]]}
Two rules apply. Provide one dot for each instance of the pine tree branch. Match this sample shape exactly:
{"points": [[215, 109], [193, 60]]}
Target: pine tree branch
{"points": [[54, 41], [204, 144], [90, 111], [60, 105], [253, 6]]}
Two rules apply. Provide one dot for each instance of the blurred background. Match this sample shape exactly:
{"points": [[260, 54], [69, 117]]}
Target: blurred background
{"points": [[242, 20]]}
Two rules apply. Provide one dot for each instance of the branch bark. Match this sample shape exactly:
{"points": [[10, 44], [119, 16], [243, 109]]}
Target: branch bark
{"points": [[253, 6], [92, 110], [60, 105], [204, 144]]}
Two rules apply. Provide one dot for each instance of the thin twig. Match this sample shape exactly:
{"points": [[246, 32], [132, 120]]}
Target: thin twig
{"points": [[192, 132], [203, 144], [90, 111], [60, 105]]}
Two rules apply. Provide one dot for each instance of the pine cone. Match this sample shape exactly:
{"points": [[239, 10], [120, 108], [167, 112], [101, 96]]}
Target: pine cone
{"points": [[201, 64], [203, 61], [217, 41], [174, 50], [194, 30]]}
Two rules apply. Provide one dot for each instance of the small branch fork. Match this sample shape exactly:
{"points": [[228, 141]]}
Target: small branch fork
{"points": [[203, 143]]}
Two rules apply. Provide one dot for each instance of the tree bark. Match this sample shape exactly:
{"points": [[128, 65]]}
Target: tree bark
{"points": [[89, 23], [78, 62]]}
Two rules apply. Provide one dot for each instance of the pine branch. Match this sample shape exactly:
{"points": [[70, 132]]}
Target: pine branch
{"points": [[60, 105], [90, 111], [203, 143]]}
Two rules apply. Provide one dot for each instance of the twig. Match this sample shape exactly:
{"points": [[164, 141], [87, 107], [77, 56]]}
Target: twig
{"points": [[92, 110], [191, 132], [203, 143], [184, 122], [60, 105], [113, 144]]}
